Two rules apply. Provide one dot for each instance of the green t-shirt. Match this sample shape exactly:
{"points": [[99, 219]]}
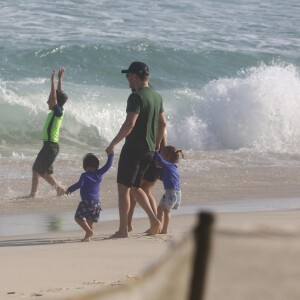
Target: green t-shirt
{"points": [[52, 126], [148, 104]]}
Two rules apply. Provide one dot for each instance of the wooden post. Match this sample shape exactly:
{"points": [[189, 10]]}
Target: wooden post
{"points": [[202, 242]]}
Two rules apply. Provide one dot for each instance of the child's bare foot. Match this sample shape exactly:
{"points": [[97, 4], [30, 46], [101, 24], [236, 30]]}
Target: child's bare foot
{"points": [[60, 191], [88, 236]]}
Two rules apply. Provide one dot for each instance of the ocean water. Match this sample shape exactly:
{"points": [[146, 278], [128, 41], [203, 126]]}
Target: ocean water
{"points": [[228, 71]]}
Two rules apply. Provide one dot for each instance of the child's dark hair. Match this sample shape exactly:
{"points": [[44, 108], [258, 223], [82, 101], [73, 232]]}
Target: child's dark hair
{"points": [[62, 98], [90, 160], [173, 153]]}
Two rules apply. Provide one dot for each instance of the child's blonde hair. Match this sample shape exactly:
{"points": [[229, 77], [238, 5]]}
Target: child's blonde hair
{"points": [[173, 153]]}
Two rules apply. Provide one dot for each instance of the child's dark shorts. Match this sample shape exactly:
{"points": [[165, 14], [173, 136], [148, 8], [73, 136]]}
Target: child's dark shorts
{"points": [[45, 158], [89, 211]]}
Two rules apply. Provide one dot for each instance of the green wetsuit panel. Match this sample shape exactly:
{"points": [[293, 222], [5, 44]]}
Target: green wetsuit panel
{"points": [[52, 127]]}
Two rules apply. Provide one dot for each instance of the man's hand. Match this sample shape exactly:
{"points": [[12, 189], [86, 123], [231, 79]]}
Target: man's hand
{"points": [[109, 149]]}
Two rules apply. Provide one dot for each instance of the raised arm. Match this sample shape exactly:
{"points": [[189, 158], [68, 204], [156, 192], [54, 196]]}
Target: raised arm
{"points": [[60, 77], [52, 96], [108, 164]]}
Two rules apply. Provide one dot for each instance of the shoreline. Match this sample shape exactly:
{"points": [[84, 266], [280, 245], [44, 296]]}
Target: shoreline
{"points": [[41, 222]]}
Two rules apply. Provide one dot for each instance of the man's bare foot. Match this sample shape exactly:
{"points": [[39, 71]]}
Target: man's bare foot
{"points": [[130, 228], [119, 235], [149, 230], [88, 236], [164, 231], [29, 196], [60, 191], [154, 229]]}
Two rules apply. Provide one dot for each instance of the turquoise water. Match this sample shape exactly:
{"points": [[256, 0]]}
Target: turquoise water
{"points": [[224, 68]]}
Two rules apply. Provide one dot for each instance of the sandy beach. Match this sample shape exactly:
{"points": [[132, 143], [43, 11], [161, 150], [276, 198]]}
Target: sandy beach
{"points": [[55, 265], [58, 266]]}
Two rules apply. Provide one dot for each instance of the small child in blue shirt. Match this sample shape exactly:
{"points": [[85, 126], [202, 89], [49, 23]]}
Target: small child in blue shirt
{"points": [[171, 199], [88, 210]]}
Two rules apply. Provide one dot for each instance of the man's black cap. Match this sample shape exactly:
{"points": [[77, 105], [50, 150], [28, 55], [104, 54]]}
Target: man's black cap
{"points": [[137, 67]]}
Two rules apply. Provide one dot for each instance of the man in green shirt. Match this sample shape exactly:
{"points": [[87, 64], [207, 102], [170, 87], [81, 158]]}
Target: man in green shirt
{"points": [[42, 166], [143, 130]]}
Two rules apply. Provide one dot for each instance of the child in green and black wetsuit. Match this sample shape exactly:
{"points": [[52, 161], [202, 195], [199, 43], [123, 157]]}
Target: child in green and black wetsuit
{"points": [[42, 166]]}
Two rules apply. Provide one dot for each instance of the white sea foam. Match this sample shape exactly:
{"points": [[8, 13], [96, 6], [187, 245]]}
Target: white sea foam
{"points": [[258, 110]]}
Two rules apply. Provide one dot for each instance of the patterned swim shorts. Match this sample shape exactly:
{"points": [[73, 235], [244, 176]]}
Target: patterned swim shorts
{"points": [[171, 199], [89, 211]]}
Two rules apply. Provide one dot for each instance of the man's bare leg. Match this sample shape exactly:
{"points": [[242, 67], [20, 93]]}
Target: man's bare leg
{"points": [[86, 227], [147, 187], [142, 199], [130, 212], [124, 204]]}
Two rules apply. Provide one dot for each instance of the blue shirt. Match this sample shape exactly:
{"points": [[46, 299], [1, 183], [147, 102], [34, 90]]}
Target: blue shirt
{"points": [[170, 176], [89, 182]]}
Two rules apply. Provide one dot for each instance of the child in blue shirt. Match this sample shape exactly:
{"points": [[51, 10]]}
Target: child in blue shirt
{"points": [[88, 210], [171, 199]]}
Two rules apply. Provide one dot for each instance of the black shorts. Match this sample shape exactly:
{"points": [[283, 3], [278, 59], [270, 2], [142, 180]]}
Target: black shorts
{"points": [[132, 166], [45, 158], [152, 173]]}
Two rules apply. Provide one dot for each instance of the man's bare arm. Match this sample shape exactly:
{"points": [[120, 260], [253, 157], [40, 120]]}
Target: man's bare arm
{"points": [[124, 131], [161, 131]]}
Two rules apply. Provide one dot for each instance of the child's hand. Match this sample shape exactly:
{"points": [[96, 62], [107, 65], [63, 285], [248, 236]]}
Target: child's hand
{"points": [[67, 192], [53, 75], [109, 149]]}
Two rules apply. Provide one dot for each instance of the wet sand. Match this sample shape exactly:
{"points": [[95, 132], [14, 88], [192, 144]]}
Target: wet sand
{"points": [[54, 263]]}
